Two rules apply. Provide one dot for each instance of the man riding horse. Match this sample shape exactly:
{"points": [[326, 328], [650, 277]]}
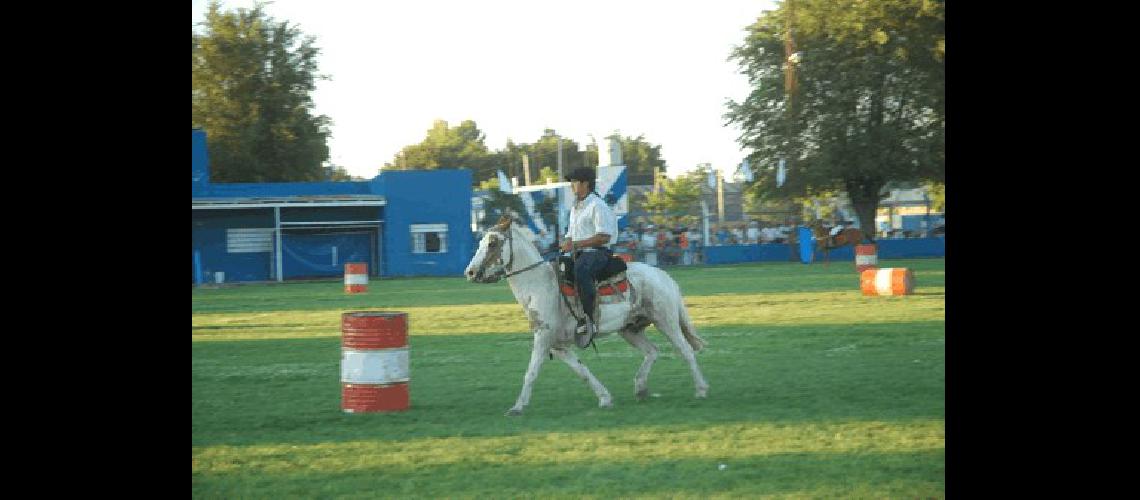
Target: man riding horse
{"points": [[588, 238]]}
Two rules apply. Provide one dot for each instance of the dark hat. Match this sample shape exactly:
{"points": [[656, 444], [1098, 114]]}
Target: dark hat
{"points": [[582, 174]]}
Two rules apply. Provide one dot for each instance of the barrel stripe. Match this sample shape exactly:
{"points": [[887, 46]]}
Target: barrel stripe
{"points": [[355, 268], [386, 366], [373, 397], [356, 279], [883, 281]]}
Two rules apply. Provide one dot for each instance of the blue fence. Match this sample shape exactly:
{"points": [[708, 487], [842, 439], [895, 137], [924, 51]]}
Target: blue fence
{"points": [[888, 249]]}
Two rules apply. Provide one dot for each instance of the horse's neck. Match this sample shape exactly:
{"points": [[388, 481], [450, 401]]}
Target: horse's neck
{"points": [[531, 282]]}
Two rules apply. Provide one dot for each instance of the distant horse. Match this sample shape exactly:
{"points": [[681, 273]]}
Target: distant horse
{"points": [[650, 297], [824, 242]]}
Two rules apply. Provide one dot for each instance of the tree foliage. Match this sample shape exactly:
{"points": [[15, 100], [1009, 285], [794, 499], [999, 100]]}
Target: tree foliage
{"points": [[678, 201], [544, 154], [640, 158], [462, 146], [868, 107], [498, 204], [548, 174], [251, 83]]}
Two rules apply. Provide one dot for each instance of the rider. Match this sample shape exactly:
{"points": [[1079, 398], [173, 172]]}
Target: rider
{"points": [[592, 228], [836, 229]]}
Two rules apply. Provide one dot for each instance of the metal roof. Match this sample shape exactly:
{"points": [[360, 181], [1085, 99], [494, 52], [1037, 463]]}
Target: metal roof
{"points": [[333, 200]]}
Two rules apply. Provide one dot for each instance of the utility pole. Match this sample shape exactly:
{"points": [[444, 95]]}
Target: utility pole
{"points": [[526, 168], [720, 197]]}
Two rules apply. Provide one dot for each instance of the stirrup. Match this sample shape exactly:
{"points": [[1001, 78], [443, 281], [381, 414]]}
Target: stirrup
{"points": [[584, 333]]}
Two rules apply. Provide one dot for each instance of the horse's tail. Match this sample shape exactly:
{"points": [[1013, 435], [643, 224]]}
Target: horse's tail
{"points": [[690, 331]]}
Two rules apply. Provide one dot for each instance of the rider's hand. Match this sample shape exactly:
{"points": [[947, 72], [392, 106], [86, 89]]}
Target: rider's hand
{"points": [[566, 245]]}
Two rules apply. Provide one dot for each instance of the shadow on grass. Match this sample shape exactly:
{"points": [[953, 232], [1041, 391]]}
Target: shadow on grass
{"points": [[824, 475], [288, 391]]}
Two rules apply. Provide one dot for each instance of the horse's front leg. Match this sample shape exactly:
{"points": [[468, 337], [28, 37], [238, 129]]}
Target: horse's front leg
{"points": [[542, 341], [567, 356]]}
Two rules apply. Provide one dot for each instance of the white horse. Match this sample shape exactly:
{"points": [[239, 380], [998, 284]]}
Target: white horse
{"points": [[652, 298]]}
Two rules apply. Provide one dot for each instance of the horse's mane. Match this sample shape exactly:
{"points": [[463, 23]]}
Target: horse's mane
{"points": [[518, 225]]}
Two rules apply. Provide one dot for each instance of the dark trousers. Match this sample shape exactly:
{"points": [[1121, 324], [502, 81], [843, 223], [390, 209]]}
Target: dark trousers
{"points": [[587, 265]]}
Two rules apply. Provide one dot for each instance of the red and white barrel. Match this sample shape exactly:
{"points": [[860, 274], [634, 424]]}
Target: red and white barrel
{"points": [[374, 371], [355, 277], [866, 257], [887, 281]]}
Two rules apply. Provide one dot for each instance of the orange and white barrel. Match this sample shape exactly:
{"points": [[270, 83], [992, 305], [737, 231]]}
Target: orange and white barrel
{"points": [[355, 277], [887, 281], [866, 257], [374, 356]]}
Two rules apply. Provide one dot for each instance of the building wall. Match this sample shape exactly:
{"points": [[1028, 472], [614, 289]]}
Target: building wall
{"points": [[208, 239], [426, 197], [412, 197]]}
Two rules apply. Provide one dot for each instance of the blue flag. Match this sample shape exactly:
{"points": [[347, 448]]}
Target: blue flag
{"points": [[504, 183]]}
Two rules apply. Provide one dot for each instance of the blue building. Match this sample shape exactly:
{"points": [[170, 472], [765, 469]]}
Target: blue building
{"points": [[401, 223]]}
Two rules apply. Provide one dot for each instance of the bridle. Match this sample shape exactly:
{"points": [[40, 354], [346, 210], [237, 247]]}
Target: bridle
{"points": [[504, 270]]}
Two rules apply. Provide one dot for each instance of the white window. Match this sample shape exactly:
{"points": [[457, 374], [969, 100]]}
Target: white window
{"points": [[429, 238], [249, 240]]}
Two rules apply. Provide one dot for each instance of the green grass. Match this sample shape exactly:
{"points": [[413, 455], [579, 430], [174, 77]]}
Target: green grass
{"points": [[816, 392]]}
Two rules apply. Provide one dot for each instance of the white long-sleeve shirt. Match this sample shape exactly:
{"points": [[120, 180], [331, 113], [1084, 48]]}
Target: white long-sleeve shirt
{"points": [[591, 216]]}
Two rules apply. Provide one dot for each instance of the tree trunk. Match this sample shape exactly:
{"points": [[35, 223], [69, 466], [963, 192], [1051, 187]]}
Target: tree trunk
{"points": [[865, 210], [865, 198]]}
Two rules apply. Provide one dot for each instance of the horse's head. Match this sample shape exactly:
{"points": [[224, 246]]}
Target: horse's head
{"points": [[495, 251]]}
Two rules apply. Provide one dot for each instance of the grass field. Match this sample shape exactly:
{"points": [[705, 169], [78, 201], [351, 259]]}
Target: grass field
{"points": [[815, 392]]}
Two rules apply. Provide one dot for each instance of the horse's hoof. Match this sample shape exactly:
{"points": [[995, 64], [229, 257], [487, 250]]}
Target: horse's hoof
{"points": [[643, 394], [703, 394], [605, 405], [514, 412]]}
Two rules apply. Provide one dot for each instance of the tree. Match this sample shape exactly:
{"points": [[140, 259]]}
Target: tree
{"points": [[867, 93], [641, 158], [492, 183], [498, 204], [336, 174], [549, 175], [544, 153], [251, 83], [638, 155], [678, 201], [937, 192], [448, 147]]}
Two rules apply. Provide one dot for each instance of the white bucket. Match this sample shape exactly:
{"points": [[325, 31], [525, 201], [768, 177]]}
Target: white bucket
{"points": [[219, 277]]}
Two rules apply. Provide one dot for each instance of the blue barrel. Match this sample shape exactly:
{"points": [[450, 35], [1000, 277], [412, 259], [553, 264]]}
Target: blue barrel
{"points": [[807, 249]]}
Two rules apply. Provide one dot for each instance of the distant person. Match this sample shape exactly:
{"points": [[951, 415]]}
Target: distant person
{"points": [[648, 239], [722, 235], [753, 232], [738, 235]]}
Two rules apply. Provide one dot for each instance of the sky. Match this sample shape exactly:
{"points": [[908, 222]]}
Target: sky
{"points": [[638, 67]]}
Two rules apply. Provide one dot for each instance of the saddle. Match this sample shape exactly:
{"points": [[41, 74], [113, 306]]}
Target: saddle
{"points": [[611, 282]]}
